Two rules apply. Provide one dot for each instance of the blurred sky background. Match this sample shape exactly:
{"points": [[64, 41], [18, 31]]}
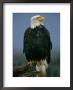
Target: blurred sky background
{"points": [[22, 20]]}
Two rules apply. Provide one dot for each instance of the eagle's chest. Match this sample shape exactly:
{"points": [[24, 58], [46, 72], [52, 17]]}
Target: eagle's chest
{"points": [[38, 36], [35, 37]]}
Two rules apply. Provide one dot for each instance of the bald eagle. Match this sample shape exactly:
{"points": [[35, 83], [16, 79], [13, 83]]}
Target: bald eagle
{"points": [[37, 44]]}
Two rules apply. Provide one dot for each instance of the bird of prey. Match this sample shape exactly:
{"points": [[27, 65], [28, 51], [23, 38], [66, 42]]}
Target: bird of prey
{"points": [[37, 44]]}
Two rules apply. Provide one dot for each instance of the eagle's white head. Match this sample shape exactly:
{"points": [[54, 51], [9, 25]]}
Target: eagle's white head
{"points": [[37, 20]]}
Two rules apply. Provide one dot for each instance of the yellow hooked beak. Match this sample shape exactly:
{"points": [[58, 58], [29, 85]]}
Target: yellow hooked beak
{"points": [[41, 18]]}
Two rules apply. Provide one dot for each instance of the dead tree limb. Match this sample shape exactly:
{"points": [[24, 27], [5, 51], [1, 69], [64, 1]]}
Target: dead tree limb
{"points": [[19, 70]]}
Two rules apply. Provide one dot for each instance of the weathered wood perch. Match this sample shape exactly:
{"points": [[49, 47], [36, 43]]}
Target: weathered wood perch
{"points": [[21, 70]]}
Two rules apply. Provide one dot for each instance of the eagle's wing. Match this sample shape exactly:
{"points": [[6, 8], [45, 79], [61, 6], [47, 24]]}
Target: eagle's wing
{"points": [[25, 38]]}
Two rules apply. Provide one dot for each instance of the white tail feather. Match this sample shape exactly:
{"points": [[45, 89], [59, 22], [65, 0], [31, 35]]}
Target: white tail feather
{"points": [[41, 67]]}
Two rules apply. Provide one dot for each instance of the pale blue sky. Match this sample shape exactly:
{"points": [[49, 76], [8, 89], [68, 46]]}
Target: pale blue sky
{"points": [[22, 20]]}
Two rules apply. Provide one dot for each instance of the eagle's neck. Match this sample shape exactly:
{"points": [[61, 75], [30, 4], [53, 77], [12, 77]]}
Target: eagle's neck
{"points": [[34, 24]]}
